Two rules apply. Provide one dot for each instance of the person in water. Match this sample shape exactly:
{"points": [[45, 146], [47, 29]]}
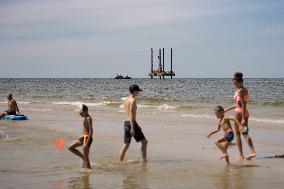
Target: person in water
{"points": [[87, 138], [131, 127], [13, 108], [242, 115], [224, 123]]}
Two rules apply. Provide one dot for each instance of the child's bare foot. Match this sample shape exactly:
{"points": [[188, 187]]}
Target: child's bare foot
{"points": [[251, 156], [240, 157], [224, 156], [122, 161], [144, 161]]}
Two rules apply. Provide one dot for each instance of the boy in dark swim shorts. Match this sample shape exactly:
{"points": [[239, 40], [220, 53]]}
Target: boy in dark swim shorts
{"points": [[224, 123], [139, 136], [87, 138], [131, 128]]}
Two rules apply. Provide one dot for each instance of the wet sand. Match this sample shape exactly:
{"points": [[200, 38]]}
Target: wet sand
{"points": [[180, 155]]}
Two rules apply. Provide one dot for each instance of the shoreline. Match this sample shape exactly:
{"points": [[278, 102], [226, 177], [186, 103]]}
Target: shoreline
{"points": [[175, 114]]}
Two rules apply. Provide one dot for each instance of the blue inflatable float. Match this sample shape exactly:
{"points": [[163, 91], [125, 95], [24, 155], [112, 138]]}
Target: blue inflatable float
{"points": [[16, 117]]}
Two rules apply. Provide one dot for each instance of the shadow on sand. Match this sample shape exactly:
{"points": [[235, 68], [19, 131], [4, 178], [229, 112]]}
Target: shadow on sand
{"points": [[274, 157]]}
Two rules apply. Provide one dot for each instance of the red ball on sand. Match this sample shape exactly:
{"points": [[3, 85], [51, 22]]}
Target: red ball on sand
{"points": [[59, 143]]}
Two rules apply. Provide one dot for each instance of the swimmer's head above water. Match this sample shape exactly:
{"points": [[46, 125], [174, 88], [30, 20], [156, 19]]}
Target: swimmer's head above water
{"points": [[134, 90], [238, 80], [219, 111], [83, 110]]}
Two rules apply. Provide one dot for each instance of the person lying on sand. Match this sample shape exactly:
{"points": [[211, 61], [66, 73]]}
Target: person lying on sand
{"points": [[131, 127], [12, 107], [87, 138], [224, 123]]}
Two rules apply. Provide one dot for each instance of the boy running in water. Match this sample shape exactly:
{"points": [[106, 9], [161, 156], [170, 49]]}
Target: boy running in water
{"points": [[224, 123]]}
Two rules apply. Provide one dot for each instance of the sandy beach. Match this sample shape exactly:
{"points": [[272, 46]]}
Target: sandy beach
{"points": [[180, 155]]}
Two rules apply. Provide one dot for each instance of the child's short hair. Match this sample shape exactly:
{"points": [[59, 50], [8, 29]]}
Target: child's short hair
{"points": [[85, 108], [219, 109]]}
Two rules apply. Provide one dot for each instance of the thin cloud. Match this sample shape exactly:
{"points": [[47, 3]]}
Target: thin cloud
{"points": [[44, 18]]}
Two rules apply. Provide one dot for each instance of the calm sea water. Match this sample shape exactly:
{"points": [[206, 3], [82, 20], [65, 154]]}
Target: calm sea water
{"points": [[184, 95]]}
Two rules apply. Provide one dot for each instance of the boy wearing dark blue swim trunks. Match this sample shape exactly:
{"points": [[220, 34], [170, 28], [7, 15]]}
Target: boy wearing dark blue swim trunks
{"points": [[224, 123]]}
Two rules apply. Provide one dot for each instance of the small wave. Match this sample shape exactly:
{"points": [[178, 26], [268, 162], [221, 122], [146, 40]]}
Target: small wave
{"points": [[146, 106], [87, 98], [160, 99], [40, 109], [185, 107], [262, 120], [198, 116], [166, 107], [39, 102], [109, 103], [23, 102], [102, 103], [140, 106], [75, 103], [160, 107], [267, 120], [123, 98]]}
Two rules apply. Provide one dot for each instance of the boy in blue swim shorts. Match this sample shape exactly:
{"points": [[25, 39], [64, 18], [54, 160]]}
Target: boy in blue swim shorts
{"points": [[224, 122]]}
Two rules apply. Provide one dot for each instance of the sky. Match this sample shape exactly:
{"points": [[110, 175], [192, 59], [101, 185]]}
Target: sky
{"points": [[100, 38]]}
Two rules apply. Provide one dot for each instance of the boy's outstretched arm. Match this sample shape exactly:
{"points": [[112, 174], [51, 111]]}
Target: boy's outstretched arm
{"points": [[216, 131]]}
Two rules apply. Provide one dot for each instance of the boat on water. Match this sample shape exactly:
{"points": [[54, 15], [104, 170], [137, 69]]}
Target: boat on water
{"points": [[119, 76]]}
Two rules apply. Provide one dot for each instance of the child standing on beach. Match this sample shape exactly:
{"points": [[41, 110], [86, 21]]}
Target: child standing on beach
{"points": [[224, 123], [87, 138]]}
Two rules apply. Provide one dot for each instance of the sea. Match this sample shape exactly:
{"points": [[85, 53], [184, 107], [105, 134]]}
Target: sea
{"points": [[184, 97]]}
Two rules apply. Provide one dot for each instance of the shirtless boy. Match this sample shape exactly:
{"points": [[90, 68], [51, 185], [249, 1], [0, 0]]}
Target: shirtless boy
{"points": [[12, 107], [131, 128], [224, 123], [87, 138]]}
